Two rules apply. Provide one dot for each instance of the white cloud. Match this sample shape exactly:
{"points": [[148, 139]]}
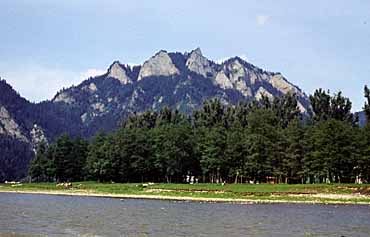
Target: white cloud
{"points": [[37, 83], [262, 19]]}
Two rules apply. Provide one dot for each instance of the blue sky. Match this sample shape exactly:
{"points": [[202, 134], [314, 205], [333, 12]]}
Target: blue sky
{"points": [[47, 45]]}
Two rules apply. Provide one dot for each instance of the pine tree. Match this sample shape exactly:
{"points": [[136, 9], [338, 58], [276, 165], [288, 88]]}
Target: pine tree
{"points": [[97, 165], [263, 134], [327, 107], [295, 149], [37, 169], [211, 148], [367, 103], [320, 102], [236, 153], [332, 153], [63, 159], [286, 108]]}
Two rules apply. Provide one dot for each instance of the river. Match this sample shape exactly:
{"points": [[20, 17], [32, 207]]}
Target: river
{"points": [[51, 215]]}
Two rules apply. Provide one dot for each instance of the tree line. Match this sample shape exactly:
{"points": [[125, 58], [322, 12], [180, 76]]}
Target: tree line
{"points": [[268, 140]]}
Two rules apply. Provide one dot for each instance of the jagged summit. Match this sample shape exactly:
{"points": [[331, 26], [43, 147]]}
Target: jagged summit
{"points": [[198, 51], [159, 65], [195, 76], [119, 72], [199, 64], [178, 80]]}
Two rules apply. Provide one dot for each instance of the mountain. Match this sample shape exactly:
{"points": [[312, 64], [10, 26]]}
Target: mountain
{"points": [[178, 80], [23, 125]]}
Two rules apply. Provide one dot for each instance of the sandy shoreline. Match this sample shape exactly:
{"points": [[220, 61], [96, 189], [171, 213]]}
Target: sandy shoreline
{"points": [[184, 198]]}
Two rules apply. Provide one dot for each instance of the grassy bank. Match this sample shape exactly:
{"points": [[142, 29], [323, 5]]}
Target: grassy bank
{"points": [[301, 193]]}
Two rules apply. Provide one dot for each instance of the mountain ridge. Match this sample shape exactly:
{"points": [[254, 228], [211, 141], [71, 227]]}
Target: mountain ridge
{"points": [[191, 76], [182, 81]]}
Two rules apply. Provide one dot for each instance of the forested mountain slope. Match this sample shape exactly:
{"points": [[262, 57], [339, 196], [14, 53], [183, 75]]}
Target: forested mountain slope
{"points": [[181, 81]]}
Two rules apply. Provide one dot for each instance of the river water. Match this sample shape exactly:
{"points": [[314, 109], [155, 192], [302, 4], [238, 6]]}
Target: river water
{"points": [[49, 215]]}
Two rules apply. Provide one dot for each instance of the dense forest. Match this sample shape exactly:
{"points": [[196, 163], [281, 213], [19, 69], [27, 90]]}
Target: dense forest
{"points": [[259, 141], [15, 157]]}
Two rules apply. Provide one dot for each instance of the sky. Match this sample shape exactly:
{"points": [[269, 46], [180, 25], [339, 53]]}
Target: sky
{"points": [[48, 45]]}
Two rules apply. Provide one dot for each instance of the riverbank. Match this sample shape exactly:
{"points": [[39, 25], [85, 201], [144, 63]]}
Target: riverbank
{"points": [[230, 193]]}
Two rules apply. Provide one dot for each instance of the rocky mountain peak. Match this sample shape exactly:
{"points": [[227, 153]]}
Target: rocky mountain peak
{"points": [[118, 71], [9, 126], [237, 69], [234, 74], [197, 51], [199, 64], [223, 81], [263, 92], [182, 81], [37, 137], [159, 65], [101, 103], [279, 82], [64, 97]]}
